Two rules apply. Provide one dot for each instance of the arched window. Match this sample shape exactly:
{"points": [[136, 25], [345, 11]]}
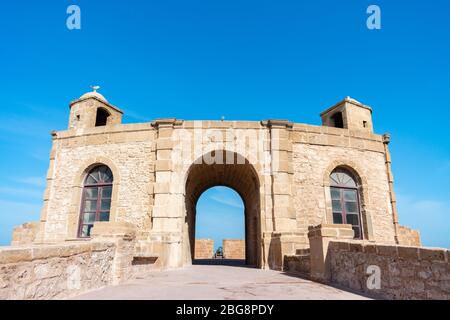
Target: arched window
{"points": [[345, 200], [96, 200], [102, 117]]}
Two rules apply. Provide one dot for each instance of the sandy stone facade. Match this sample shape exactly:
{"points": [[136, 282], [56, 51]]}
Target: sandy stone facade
{"points": [[408, 237], [233, 249], [25, 234], [281, 170], [204, 249], [159, 169]]}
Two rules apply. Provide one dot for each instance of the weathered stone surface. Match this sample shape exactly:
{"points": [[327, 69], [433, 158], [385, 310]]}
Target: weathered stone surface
{"points": [[204, 248], [403, 276], [25, 234], [432, 254], [408, 237], [298, 264], [54, 271], [283, 178], [408, 252], [233, 249]]}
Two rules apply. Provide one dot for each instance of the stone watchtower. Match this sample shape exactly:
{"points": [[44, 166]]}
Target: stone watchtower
{"points": [[93, 110], [349, 114]]}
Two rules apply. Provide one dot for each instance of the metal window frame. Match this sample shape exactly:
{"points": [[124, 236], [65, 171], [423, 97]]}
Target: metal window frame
{"points": [[343, 212], [98, 211]]}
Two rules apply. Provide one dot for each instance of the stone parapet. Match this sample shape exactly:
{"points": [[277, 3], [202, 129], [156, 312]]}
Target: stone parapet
{"points": [[405, 272], [204, 249], [54, 271], [25, 234], [408, 237], [280, 244], [319, 239], [233, 249], [109, 229], [329, 136], [300, 264], [123, 235]]}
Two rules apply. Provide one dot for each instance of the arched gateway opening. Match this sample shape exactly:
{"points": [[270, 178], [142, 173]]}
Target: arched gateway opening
{"points": [[229, 169]]}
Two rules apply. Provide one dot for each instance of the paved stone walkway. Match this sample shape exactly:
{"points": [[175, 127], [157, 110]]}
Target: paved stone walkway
{"points": [[219, 282]]}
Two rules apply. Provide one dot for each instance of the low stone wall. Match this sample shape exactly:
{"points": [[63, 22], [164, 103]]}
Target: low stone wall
{"points": [[204, 248], [408, 237], [55, 271], [233, 249], [300, 264], [406, 272], [25, 234]]}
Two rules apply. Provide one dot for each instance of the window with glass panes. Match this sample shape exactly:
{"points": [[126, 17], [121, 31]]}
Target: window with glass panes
{"points": [[96, 199], [345, 200]]}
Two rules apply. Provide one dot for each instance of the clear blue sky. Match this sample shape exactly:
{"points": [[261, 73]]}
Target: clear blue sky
{"points": [[242, 59], [220, 215]]}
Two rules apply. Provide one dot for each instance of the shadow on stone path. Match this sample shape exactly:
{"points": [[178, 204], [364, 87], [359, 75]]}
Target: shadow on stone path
{"points": [[220, 282]]}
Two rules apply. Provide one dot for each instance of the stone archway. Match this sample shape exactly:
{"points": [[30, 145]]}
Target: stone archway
{"points": [[236, 173]]}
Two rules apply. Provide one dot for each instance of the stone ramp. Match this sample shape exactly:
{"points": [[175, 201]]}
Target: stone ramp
{"points": [[220, 282]]}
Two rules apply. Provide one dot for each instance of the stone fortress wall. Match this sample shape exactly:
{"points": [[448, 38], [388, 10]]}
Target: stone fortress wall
{"points": [[204, 249], [149, 180], [54, 271], [283, 180], [233, 249], [385, 271], [406, 272]]}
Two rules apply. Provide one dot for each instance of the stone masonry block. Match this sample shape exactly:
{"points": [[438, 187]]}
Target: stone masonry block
{"points": [[281, 188], [346, 233], [432, 254], [283, 166], [356, 247], [165, 133], [164, 154], [163, 144], [344, 246], [162, 188], [9, 255], [163, 165], [408, 252], [387, 250], [370, 248], [329, 232]]}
